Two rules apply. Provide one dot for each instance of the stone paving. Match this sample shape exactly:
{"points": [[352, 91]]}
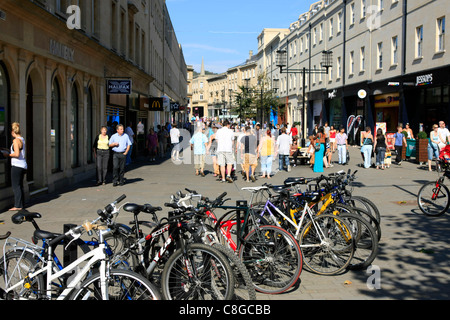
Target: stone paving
{"points": [[413, 260]]}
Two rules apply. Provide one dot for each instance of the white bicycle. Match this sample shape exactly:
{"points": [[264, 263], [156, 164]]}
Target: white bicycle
{"points": [[26, 276]]}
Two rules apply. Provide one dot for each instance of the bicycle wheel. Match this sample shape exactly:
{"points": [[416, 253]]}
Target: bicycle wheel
{"points": [[243, 288], [433, 198], [366, 243], [327, 244], [273, 258], [120, 285], [342, 208], [15, 267], [199, 272]]}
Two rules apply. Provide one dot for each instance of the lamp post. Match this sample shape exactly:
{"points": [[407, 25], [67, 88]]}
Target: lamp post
{"points": [[326, 64]]}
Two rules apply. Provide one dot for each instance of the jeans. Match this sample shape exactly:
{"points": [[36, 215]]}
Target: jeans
{"points": [[119, 160], [281, 158], [433, 151], [102, 164], [381, 151], [17, 175], [342, 153], [128, 161], [266, 164], [366, 150]]}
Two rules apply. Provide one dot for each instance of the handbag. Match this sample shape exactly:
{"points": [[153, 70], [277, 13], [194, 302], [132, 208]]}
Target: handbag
{"points": [[348, 157], [317, 147]]}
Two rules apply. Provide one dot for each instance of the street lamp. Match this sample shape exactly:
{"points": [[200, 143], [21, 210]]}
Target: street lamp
{"points": [[326, 64]]}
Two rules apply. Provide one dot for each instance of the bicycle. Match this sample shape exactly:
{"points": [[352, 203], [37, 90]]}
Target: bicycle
{"points": [[325, 240], [27, 277], [204, 233], [433, 198], [189, 270], [271, 254]]}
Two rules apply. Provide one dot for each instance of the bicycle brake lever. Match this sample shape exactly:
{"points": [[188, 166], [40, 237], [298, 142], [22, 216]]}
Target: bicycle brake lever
{"points": [[75, 236]]}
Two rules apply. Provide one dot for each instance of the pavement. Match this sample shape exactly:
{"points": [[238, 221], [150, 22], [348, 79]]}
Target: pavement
{"points": [[413, 259]]}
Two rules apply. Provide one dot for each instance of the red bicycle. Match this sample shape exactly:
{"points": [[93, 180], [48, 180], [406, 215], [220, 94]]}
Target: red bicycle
{"points": [[434, 197]]}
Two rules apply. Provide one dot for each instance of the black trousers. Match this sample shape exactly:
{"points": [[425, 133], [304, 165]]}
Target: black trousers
{"points": [[17, 175], [119, 160], [398, 150], [102, 164]]}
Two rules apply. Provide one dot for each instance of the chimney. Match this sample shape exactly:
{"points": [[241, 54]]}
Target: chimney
{"points": [[250, 54]]}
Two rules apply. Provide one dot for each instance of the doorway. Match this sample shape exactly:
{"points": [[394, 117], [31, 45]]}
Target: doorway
{"points": [[29, 131]]}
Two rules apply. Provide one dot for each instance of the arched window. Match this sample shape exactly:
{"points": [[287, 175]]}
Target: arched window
{"points": [[73, 127], [5, 126], [55, 132]]}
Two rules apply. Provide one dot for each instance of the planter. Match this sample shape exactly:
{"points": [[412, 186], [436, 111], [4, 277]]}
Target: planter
{"points": [[403, 152], [422, 150]]}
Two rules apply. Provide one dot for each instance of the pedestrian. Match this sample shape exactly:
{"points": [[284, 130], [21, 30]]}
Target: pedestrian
{"points": [[379, 147], [225, 159], [294, 132], [152, 144], [18, 166], [199, 142], [283, 144], [366, 149], [311, 151], [248, 154], [212, 149], [342, 145], [130, 134], [398, 144], [433, 145], [295, 148], [175, 140], [443, 135], [266, 150], [333, 133], [319, 143], [409, 132], [326, 130], [101, 154], [120, 143]]}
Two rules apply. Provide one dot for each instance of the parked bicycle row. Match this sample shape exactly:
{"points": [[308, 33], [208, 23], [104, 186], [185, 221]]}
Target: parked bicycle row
{"points": [[202, 249]]}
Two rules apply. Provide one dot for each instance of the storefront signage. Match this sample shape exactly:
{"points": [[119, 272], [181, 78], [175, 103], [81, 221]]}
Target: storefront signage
{"points": [[362, 94], [387, 100], [424, 79], [155, 104], [62, 51], [174, 107], [118, 87], [332, 94]]}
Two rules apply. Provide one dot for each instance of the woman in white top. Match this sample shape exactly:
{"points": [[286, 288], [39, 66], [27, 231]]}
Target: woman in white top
{"points": [[18, 166]]}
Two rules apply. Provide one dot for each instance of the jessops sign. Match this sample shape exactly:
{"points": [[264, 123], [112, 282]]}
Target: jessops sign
{"points": [[118, 86]]}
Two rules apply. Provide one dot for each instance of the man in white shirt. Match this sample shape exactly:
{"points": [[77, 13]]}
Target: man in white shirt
{"points": [[443, 134], [224, 137], [284, 143], [175, 140]]}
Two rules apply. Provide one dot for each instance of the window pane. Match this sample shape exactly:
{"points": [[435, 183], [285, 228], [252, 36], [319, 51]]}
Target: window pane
{"points": [[55, 131], [74, 127]]}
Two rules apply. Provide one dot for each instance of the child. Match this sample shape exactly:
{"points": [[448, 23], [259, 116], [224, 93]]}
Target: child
{"points": [[387, 158]]}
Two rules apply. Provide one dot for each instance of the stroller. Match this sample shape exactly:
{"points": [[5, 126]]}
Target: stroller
{"points": [[444, 157]]}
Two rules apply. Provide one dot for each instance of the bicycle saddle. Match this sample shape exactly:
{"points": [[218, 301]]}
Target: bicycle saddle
{"points": [[41, 234], [294, 181], [24, 216], [136, 208]]}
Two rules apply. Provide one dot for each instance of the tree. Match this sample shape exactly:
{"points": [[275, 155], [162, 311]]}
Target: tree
{"points": [[244, 102], [267, 101]]}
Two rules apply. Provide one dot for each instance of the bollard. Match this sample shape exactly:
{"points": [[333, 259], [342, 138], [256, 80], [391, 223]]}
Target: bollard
{"points": [[70, 254], [239, 212]]}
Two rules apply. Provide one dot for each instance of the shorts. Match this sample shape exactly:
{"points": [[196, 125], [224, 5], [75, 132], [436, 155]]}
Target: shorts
{"points": [[224, 158]]}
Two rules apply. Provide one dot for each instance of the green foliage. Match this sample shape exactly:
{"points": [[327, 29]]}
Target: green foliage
{"points": [[422, 135]]}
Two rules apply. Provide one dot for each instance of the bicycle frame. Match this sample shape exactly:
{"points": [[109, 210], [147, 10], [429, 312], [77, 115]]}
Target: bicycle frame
{"points": [[92, 257]]}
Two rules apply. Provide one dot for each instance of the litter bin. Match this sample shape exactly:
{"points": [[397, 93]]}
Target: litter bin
{"points": [[410, 148]]}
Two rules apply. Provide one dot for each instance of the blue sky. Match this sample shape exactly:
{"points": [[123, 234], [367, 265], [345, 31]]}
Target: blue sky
{"points": [[223, 32]]}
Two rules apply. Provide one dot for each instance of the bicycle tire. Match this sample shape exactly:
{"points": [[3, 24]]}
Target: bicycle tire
{"points": [[26, 262], [121, 284], [273, 258], [244, 288], [366, 204], [366, 245], [332, 255], [208, 276], [429, 206]]}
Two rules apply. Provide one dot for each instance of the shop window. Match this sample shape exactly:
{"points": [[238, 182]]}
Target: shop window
{"points": [[5, 139]]}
